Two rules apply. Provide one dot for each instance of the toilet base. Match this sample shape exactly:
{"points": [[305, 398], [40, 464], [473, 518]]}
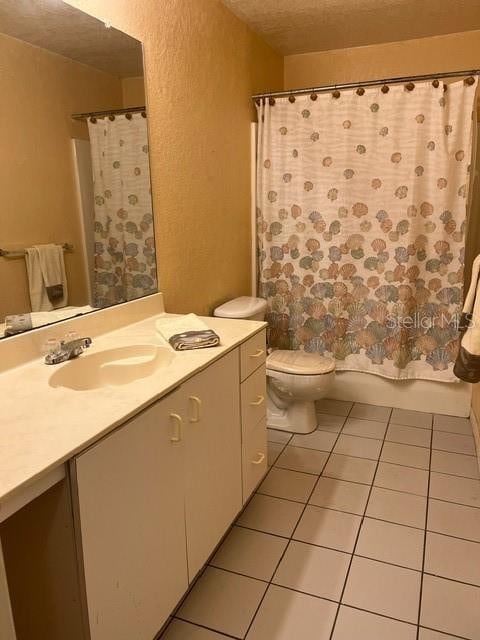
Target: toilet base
{"points": [[298, 417]]}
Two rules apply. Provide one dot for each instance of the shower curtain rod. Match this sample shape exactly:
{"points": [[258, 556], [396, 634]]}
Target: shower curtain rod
{"points": [[367, 83], [110, 112]]}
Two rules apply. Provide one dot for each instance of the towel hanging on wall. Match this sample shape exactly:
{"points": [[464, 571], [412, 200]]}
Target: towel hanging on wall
{"points": [[467, 364]]}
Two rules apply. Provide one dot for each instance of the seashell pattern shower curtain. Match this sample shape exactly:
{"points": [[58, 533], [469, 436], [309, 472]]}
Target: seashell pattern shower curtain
{"points": [[125, 263], [361, 212]]}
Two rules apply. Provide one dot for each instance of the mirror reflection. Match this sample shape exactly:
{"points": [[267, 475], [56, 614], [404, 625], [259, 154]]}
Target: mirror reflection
{"points": [[76, 219]]}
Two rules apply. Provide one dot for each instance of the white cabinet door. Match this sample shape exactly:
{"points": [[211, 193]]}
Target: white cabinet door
{"points": [[213, 467], [131, 517]]}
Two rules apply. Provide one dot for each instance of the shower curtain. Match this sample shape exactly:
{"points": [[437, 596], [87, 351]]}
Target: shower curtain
{"points": [[361, 209], [124, 255]]}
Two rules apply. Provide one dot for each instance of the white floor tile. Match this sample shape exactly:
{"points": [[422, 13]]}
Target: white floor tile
{"points": [[280, 437], [428, 634], [411, 418], [291, 485], [454, 520], [358, 447], [223, 601], [272, 515], [401, 508], [321, 440], [384, 589], [454, 489], [370, 412], [314, 570], [452, 558], [332, 423], [289, 615], [251, 553], [179, 630], [350, 468], [451, 607], [328, 528], [392, 543], [340, 495], [406, 455], [452, 424], [334, 407], [365, 428], [301, 459], [408, 435], [399, 478], [453, 442], [274, 449], [457, 464], [353, 624]]}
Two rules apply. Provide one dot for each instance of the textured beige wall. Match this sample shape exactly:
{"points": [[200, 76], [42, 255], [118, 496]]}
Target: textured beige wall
{"points": [[454, 52], [201, 66], [40, 91]]}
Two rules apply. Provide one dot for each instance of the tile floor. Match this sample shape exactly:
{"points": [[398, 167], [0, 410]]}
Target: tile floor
{"points": [[366, 529]]}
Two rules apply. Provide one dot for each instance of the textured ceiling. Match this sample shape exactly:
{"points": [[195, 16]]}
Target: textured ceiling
{"points": [[58, 27], [301, 26]]}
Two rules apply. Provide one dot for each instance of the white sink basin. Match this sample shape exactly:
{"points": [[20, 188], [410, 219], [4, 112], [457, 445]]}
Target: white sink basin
{"points": [[112, 367]]}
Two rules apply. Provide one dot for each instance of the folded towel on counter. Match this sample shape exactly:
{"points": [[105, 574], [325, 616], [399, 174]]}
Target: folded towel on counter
{"points": [[187, 332]]}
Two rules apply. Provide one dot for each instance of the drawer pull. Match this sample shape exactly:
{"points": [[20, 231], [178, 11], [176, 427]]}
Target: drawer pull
{"points": [[257, 354], [196, 405], [177, 428], [260, 458], [257, 403]]}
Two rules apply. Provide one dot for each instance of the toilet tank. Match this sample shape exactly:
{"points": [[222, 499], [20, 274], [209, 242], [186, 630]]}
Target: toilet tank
{"points": [[245, 308]]}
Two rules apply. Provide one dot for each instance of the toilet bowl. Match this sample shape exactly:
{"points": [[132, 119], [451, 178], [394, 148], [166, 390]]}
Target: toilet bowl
{"points": [[295, 379]]}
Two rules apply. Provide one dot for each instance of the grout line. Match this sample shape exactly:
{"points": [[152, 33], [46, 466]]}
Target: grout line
{"points": [[357, 538], [202, 626], [299, 519], [420, 595], [439, 575]]}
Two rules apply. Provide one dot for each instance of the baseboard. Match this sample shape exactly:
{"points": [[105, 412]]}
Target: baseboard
{"points": [[476, 433]]}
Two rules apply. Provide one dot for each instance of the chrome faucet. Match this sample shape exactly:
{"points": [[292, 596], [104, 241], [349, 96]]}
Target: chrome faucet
{"points": [[67, 350]]}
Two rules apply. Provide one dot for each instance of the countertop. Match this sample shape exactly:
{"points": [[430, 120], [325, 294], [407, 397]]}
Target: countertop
{"points": [[41, 427]]}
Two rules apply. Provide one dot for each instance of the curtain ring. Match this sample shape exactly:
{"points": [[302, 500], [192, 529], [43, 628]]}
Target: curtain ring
{"points": [[336, 94], [360, 91], [385, 89], [128, 116], [409, 86], [445, 87], [469, 81], [144, 114], [291, 99], [271, 101], [436, 83], [111, 117], [258, 102], [313, 96], [93, 120]]}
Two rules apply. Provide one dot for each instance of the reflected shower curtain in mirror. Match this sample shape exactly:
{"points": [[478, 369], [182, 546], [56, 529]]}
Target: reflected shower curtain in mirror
{"points": [[361, 211], [125, 264]]}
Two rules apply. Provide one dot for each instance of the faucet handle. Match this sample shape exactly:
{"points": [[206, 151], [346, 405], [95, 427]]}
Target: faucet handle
{"points": [[52, 346], [70, 336]]}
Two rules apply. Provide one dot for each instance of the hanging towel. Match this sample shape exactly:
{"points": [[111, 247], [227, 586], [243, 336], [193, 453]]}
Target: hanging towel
{"points": [[47, 279], [467, 364], [187, 332]]}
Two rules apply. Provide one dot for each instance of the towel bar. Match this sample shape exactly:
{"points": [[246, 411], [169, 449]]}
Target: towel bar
{"points": [[17, 254]]}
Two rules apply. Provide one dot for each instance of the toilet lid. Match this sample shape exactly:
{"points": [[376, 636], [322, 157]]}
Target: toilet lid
{"points": [[300, 362]]}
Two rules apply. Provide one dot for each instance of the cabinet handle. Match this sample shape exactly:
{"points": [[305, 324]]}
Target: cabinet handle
{"points": [[257, 354], [260, 459], [197, 404], [177, 428], [257, 403]]}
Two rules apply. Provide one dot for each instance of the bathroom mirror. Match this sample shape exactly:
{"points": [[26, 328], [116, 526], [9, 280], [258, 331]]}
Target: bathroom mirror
{"points": [[76, 216]]}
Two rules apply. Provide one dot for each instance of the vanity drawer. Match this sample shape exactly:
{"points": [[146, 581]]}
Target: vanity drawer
{"points": [[252, 354], [254, 459], [253, 394]]}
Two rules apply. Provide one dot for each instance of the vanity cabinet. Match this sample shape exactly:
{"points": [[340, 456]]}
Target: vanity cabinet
{"points": [[153, 499], [130, 507]]}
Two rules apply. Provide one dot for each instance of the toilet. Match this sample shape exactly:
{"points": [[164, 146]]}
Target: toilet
{"points": [[295, 379]]}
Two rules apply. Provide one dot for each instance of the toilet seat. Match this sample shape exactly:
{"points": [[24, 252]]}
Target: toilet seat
{"points": [[300, 363]]}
